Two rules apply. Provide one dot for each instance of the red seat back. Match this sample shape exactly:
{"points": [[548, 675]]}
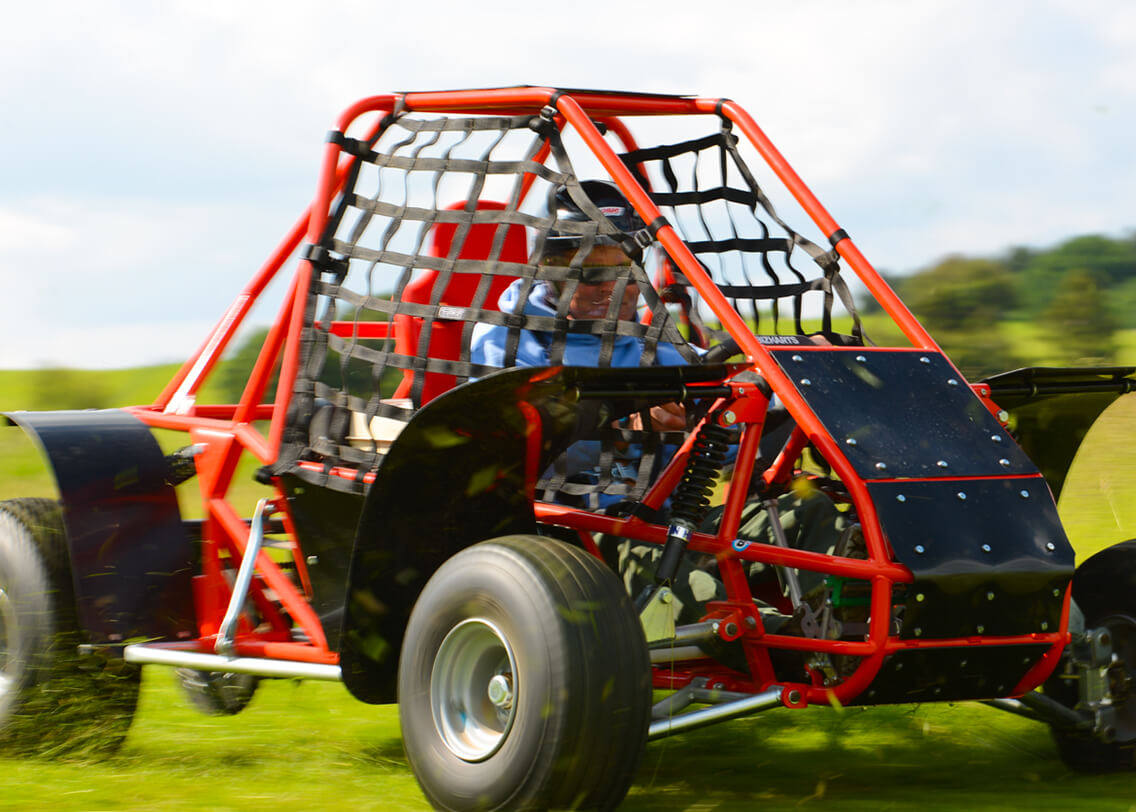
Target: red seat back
{"points": [[445, 336]]}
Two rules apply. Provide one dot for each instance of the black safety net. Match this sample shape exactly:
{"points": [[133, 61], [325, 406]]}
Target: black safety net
{"points": [[434, 269], [780, 281]]}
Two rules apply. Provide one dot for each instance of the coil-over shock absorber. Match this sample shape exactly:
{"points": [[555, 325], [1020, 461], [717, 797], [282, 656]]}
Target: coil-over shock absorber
{"points": [[691, 497]]}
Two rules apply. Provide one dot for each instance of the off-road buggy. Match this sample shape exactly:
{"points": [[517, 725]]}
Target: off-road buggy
{"points": [[424, 540]]}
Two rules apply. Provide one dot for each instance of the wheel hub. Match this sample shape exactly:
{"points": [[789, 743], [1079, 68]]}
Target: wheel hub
{"points": [[473, 689], [501, 691], [1120, 678]]}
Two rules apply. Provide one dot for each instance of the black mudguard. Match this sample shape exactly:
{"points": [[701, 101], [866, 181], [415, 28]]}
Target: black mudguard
{"points": [[1053, 408], [463, 471], [131, 560], [1106, 582]]}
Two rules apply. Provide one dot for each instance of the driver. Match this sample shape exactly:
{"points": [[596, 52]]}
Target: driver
{"points": [[605, 274]]}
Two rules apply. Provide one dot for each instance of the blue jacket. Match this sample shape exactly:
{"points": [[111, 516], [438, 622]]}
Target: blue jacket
{"points": [[487, 346]]}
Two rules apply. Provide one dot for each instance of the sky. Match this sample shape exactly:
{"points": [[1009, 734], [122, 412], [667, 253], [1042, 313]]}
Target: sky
{"points": [[152, 155]]}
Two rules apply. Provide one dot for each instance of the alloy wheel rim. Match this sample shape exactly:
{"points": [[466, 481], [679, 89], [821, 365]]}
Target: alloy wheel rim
{"points": [[473, 689]]}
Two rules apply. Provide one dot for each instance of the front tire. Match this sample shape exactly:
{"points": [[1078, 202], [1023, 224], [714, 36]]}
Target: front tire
{"points": [[524, 681], [53, 700]]}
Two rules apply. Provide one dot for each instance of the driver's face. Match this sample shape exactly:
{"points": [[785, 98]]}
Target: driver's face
{"points": [[591, 301]]}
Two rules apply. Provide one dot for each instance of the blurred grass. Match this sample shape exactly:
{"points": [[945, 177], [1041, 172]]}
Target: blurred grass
{"points": [[310, 746], [302, 746]]}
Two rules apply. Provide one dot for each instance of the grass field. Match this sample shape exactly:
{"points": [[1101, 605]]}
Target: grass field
{"points": [[310, 746]]}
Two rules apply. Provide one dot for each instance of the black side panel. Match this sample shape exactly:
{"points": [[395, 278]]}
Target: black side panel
{"points": [[325, 521], [457, 475], [950, 673], [989, 555], [130, 557], [902, 414]]}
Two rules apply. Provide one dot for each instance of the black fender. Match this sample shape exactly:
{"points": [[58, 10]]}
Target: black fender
{"points": [[1106, 581], [1052, 409], [463, 471], [130, 557]]}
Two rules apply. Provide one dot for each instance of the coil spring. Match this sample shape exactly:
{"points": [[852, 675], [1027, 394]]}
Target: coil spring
{"points": [[691, 496]]}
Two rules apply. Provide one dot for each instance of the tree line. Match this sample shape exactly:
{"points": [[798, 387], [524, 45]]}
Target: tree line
{"points": [[1078, 295]]}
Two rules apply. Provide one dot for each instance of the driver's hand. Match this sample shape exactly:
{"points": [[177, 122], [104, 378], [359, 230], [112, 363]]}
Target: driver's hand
{"points": [[666, 417]]}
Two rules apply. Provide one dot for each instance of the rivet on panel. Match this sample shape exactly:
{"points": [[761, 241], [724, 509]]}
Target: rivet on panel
{"points": [[1023, 494], [1044, 625], [920, 549], [917, 631], [961, 496], [1003, 416], [1049, 545], [980, 628], [798, 358], [986, 548], [942, 464], [996, 438], [989, 596], [880, 466], [952, 382], [923, 359], [850, 441], [900, 498], [920, 597], [863, 359], [806, 382]]}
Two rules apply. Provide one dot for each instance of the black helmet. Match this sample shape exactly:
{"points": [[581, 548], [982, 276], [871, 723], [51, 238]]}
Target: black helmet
{"points": [[607, 202]]}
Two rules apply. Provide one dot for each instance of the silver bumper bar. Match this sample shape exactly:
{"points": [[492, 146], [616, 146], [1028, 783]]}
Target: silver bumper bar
{"points": [[288, 669]]}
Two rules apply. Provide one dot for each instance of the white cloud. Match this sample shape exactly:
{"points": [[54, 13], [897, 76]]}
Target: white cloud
{"points": [[154, 154]]}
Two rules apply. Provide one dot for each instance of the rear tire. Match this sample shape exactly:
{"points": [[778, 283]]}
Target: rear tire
{"points": [[53, 701], [1089, 754], [524, 681], [1104, 588]]}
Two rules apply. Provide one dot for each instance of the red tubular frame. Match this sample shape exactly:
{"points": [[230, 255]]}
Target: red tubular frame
{"points": [[228, 431]]}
